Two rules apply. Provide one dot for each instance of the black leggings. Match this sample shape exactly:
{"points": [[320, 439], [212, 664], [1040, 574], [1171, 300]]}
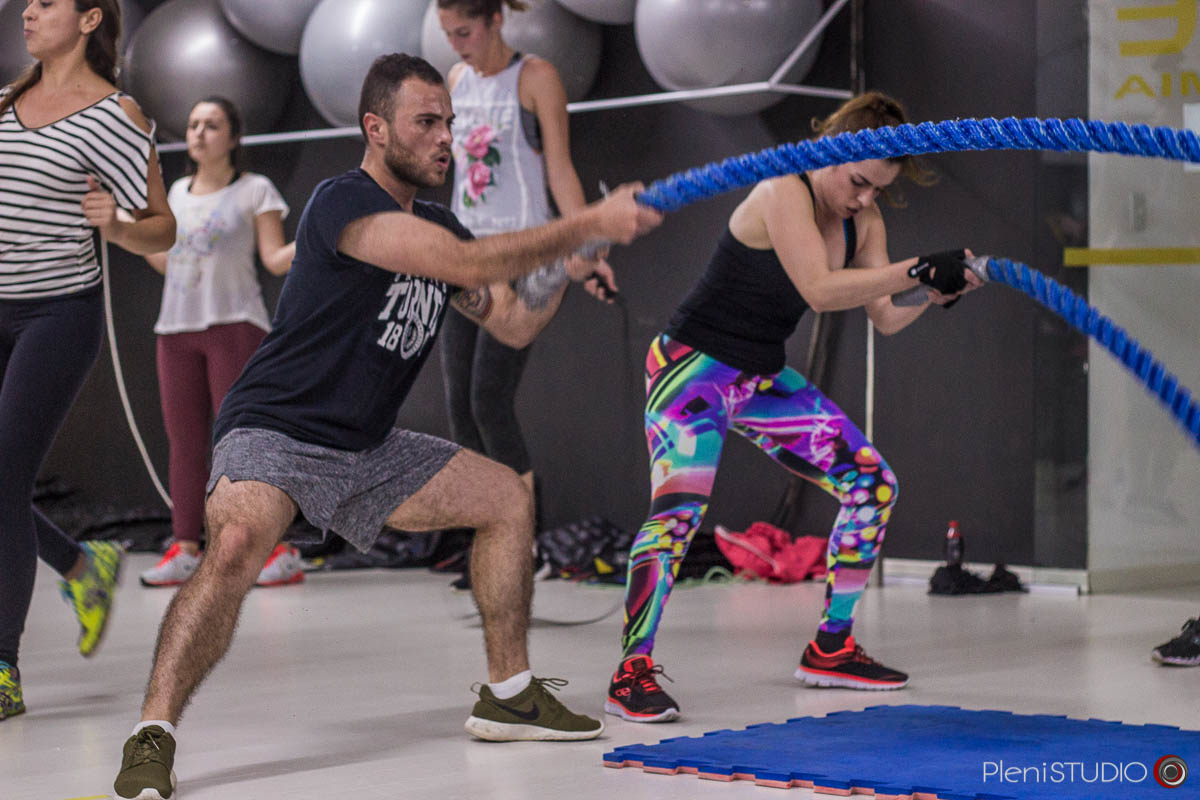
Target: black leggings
{"points": [[481, 376], [47, 348]]}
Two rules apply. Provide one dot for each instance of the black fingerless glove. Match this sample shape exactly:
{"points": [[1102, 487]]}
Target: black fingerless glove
{"points": [[942, 271]]}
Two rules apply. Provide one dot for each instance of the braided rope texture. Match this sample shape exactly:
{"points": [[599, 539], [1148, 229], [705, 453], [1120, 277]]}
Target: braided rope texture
{"points": [[676, 191], [680, 189]]}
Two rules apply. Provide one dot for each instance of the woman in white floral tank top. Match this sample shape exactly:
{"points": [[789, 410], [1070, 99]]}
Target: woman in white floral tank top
{"points": [[511, 144]]}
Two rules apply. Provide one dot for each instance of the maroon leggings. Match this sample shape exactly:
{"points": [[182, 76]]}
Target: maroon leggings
{"points": [[195, 371]]}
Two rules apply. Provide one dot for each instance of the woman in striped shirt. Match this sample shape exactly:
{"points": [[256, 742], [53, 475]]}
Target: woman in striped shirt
{"points": [[73, 150]]}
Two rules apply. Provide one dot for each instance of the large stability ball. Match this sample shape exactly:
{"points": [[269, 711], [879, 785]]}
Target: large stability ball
{"points": [[690, 45], [610, 12], [547, 29], [341, 40], [132, 14], [274, 25], [14, 58], [185, 50]]}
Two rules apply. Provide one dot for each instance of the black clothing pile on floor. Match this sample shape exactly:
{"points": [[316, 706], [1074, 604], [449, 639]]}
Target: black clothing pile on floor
{"points": [[139, 529], [593, 549], [953, 579]]}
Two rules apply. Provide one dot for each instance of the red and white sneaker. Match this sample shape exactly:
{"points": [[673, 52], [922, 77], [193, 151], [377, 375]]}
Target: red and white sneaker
{"points": [[849, 668], [175, 567], [283, 567], [634, 693]]}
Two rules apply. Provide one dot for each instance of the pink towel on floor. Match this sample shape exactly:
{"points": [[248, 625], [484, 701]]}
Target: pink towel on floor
{"points": [[765, 551]]}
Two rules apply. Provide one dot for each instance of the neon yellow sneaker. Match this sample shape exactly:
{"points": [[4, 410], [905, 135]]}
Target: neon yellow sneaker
{"points": [[92, 593], [11, 700]]}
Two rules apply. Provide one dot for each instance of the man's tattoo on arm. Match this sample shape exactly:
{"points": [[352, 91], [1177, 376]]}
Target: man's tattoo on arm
{"points": [[474, 303], [536, 288]]}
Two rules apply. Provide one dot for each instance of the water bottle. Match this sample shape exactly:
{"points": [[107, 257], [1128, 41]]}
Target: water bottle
{"points": [[954, 545]]}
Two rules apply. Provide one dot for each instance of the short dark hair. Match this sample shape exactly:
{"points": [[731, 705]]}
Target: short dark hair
{"points": [[384, 78]]}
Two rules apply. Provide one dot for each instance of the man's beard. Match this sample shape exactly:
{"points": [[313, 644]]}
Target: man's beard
{"points": [[401, 163]]}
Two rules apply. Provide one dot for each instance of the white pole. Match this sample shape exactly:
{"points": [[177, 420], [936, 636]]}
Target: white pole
{"points": [[807, 41], [604, 104]]}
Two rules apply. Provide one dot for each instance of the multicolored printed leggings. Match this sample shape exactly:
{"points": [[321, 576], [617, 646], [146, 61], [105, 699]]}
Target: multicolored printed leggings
{"points": [[692, 400]]}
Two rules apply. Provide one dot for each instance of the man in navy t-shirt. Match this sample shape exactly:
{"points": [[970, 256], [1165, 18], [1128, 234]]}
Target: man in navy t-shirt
{"points": [[309, 424]]}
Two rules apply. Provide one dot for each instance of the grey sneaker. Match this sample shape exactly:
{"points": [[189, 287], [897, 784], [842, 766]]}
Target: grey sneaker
{"points": [[283, 567], [533, 715], [175, 567], [146, 766]]}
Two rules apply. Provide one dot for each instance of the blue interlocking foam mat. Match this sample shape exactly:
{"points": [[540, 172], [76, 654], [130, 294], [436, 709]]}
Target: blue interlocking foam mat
{"points": [[937, 753]]}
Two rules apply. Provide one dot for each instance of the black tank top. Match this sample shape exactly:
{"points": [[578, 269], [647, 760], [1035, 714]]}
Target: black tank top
{"points": [[745, 306]]}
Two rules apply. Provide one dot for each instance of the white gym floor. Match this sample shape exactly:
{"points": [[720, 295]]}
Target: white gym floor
{"points": [[356, 684]]}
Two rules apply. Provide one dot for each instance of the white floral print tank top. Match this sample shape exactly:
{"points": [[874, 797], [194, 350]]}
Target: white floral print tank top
{"points": [[499, 179]]}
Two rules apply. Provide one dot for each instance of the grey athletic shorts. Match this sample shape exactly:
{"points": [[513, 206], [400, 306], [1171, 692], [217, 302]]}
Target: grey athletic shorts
{"points": [[349, 492]]}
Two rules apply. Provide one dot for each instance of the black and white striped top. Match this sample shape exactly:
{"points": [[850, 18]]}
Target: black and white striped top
{"points": [[46, 244]]}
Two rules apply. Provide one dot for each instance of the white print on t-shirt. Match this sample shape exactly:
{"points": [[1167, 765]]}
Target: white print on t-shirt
{"points": [[186, 259], [412, 311]]}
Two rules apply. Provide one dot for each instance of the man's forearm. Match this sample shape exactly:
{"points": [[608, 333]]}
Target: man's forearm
{"points": [[516, 324], [507, 256]]}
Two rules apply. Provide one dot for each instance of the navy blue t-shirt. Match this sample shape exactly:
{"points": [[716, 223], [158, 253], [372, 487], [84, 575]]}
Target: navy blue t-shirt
{"points": [[348, 338]]}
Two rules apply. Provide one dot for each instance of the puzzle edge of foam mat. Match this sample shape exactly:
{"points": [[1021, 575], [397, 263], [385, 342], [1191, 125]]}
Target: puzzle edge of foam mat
{"points": [[645, 757]]}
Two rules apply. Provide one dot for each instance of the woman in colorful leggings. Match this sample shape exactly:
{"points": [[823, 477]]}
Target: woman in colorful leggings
{"points": [[797, 242]]}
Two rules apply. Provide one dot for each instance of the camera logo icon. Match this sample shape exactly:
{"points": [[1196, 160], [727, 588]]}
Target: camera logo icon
{"points": [[1170, 771]]}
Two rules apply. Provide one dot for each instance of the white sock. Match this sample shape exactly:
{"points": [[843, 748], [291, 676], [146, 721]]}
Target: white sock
{"points": [[512, 687], [162, 723]]}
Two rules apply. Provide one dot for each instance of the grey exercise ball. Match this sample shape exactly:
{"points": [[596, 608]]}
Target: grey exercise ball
{"points": [[14, 58], [570, 43], [132, 15], [274, 25], [185, 50], [13, 55], [690, 45], [609, 12], [341, 40]]}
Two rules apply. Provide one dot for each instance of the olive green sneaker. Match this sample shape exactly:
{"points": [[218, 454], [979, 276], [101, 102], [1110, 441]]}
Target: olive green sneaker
{"points": [[93, 592], [11, 700], [534, 714], [146, 766]]}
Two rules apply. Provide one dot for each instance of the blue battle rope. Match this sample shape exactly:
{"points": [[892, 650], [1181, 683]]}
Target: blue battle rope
{"points": [[676, 191]]}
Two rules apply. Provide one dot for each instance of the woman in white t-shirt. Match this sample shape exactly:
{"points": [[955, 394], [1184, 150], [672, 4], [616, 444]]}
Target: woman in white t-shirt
{"points": [[212, 318]]}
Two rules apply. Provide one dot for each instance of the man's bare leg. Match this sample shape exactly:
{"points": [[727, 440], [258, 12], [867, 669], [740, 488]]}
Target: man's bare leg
{"points": [[475, 492], [245, 521]]}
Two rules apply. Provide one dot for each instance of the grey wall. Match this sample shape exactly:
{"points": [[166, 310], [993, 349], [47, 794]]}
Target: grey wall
{"points": [[955, 396]]}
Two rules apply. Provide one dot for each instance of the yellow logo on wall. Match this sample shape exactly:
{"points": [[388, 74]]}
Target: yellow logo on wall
{"points": [[1183, 14]]}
